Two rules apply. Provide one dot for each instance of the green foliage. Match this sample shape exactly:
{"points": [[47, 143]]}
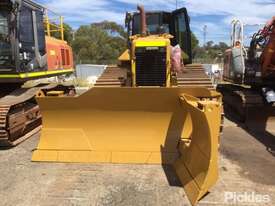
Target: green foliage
{"points": [[99, 43], [112, 27], [103, 42], [210, 53], [68, 33]]}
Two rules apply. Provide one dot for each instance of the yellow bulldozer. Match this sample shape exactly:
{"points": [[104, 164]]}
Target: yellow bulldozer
{"points": [[140, 113]]}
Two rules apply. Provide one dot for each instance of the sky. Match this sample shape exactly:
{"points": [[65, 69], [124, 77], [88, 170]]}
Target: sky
{"points": [[215, 14]]}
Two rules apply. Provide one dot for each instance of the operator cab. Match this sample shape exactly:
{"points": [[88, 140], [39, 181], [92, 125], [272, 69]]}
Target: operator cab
{"points": [[175, 23], [22, 37], [6, 57]]}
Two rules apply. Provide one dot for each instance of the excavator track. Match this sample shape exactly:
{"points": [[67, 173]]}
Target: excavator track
{"points": [[56, 90], [240, 100], [113, 76], [20, 115], [4, 109], [249, 107], [193, 75]]}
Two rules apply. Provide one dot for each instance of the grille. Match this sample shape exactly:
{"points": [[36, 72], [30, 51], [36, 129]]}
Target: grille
{"points": [[151, 66]]}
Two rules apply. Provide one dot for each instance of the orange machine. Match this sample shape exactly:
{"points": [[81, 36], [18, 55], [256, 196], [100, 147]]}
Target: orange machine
{"points": [[28, 50], [268, 56], [59, 54]]}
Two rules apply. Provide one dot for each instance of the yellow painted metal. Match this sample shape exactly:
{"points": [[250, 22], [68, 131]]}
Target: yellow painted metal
{"points": [[53, 24], [197, 167], [125, 56], [36, 74], [55, 93], [136, 125], [151, 41], [47, 22]]}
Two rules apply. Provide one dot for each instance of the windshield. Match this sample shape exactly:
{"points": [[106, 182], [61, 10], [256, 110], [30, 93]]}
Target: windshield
{"points": [[5, 44], [155, 25]]}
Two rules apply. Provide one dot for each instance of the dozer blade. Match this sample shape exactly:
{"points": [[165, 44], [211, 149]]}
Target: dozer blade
{"points": [[136, 125]]}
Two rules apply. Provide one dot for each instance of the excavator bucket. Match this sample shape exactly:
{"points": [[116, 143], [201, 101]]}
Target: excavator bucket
{"points": [[177, 126]]}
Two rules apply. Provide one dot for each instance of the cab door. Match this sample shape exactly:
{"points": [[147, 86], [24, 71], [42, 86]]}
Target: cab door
{"points": [[31, 39], [181, 31]]}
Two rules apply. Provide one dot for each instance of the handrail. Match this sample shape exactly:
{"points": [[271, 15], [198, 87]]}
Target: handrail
{"points": [[52, 26], [237, 35]]}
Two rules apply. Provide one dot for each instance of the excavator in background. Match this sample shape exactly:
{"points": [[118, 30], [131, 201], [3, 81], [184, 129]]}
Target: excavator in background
{"points": [[141, 113], [27, 53], [249, 77]]}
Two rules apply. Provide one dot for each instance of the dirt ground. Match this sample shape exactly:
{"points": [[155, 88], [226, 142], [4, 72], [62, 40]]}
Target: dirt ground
{"points": [[247, 166]]}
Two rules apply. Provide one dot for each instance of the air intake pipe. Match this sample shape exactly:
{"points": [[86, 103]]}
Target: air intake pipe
{"points": [[143, 24]]}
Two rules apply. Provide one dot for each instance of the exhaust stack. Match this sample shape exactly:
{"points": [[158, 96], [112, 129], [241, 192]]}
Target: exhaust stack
{"points": [[142, 20]]}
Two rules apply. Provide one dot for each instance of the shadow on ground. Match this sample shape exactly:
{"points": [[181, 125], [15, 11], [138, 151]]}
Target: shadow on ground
{"points": [[256, 127], [251, 148]]}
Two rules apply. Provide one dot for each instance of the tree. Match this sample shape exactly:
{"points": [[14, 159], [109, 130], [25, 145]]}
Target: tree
{"points": [[99, 43], [68, 33], [112, 27], [209, 44], [210, 52], [223, 45]]}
